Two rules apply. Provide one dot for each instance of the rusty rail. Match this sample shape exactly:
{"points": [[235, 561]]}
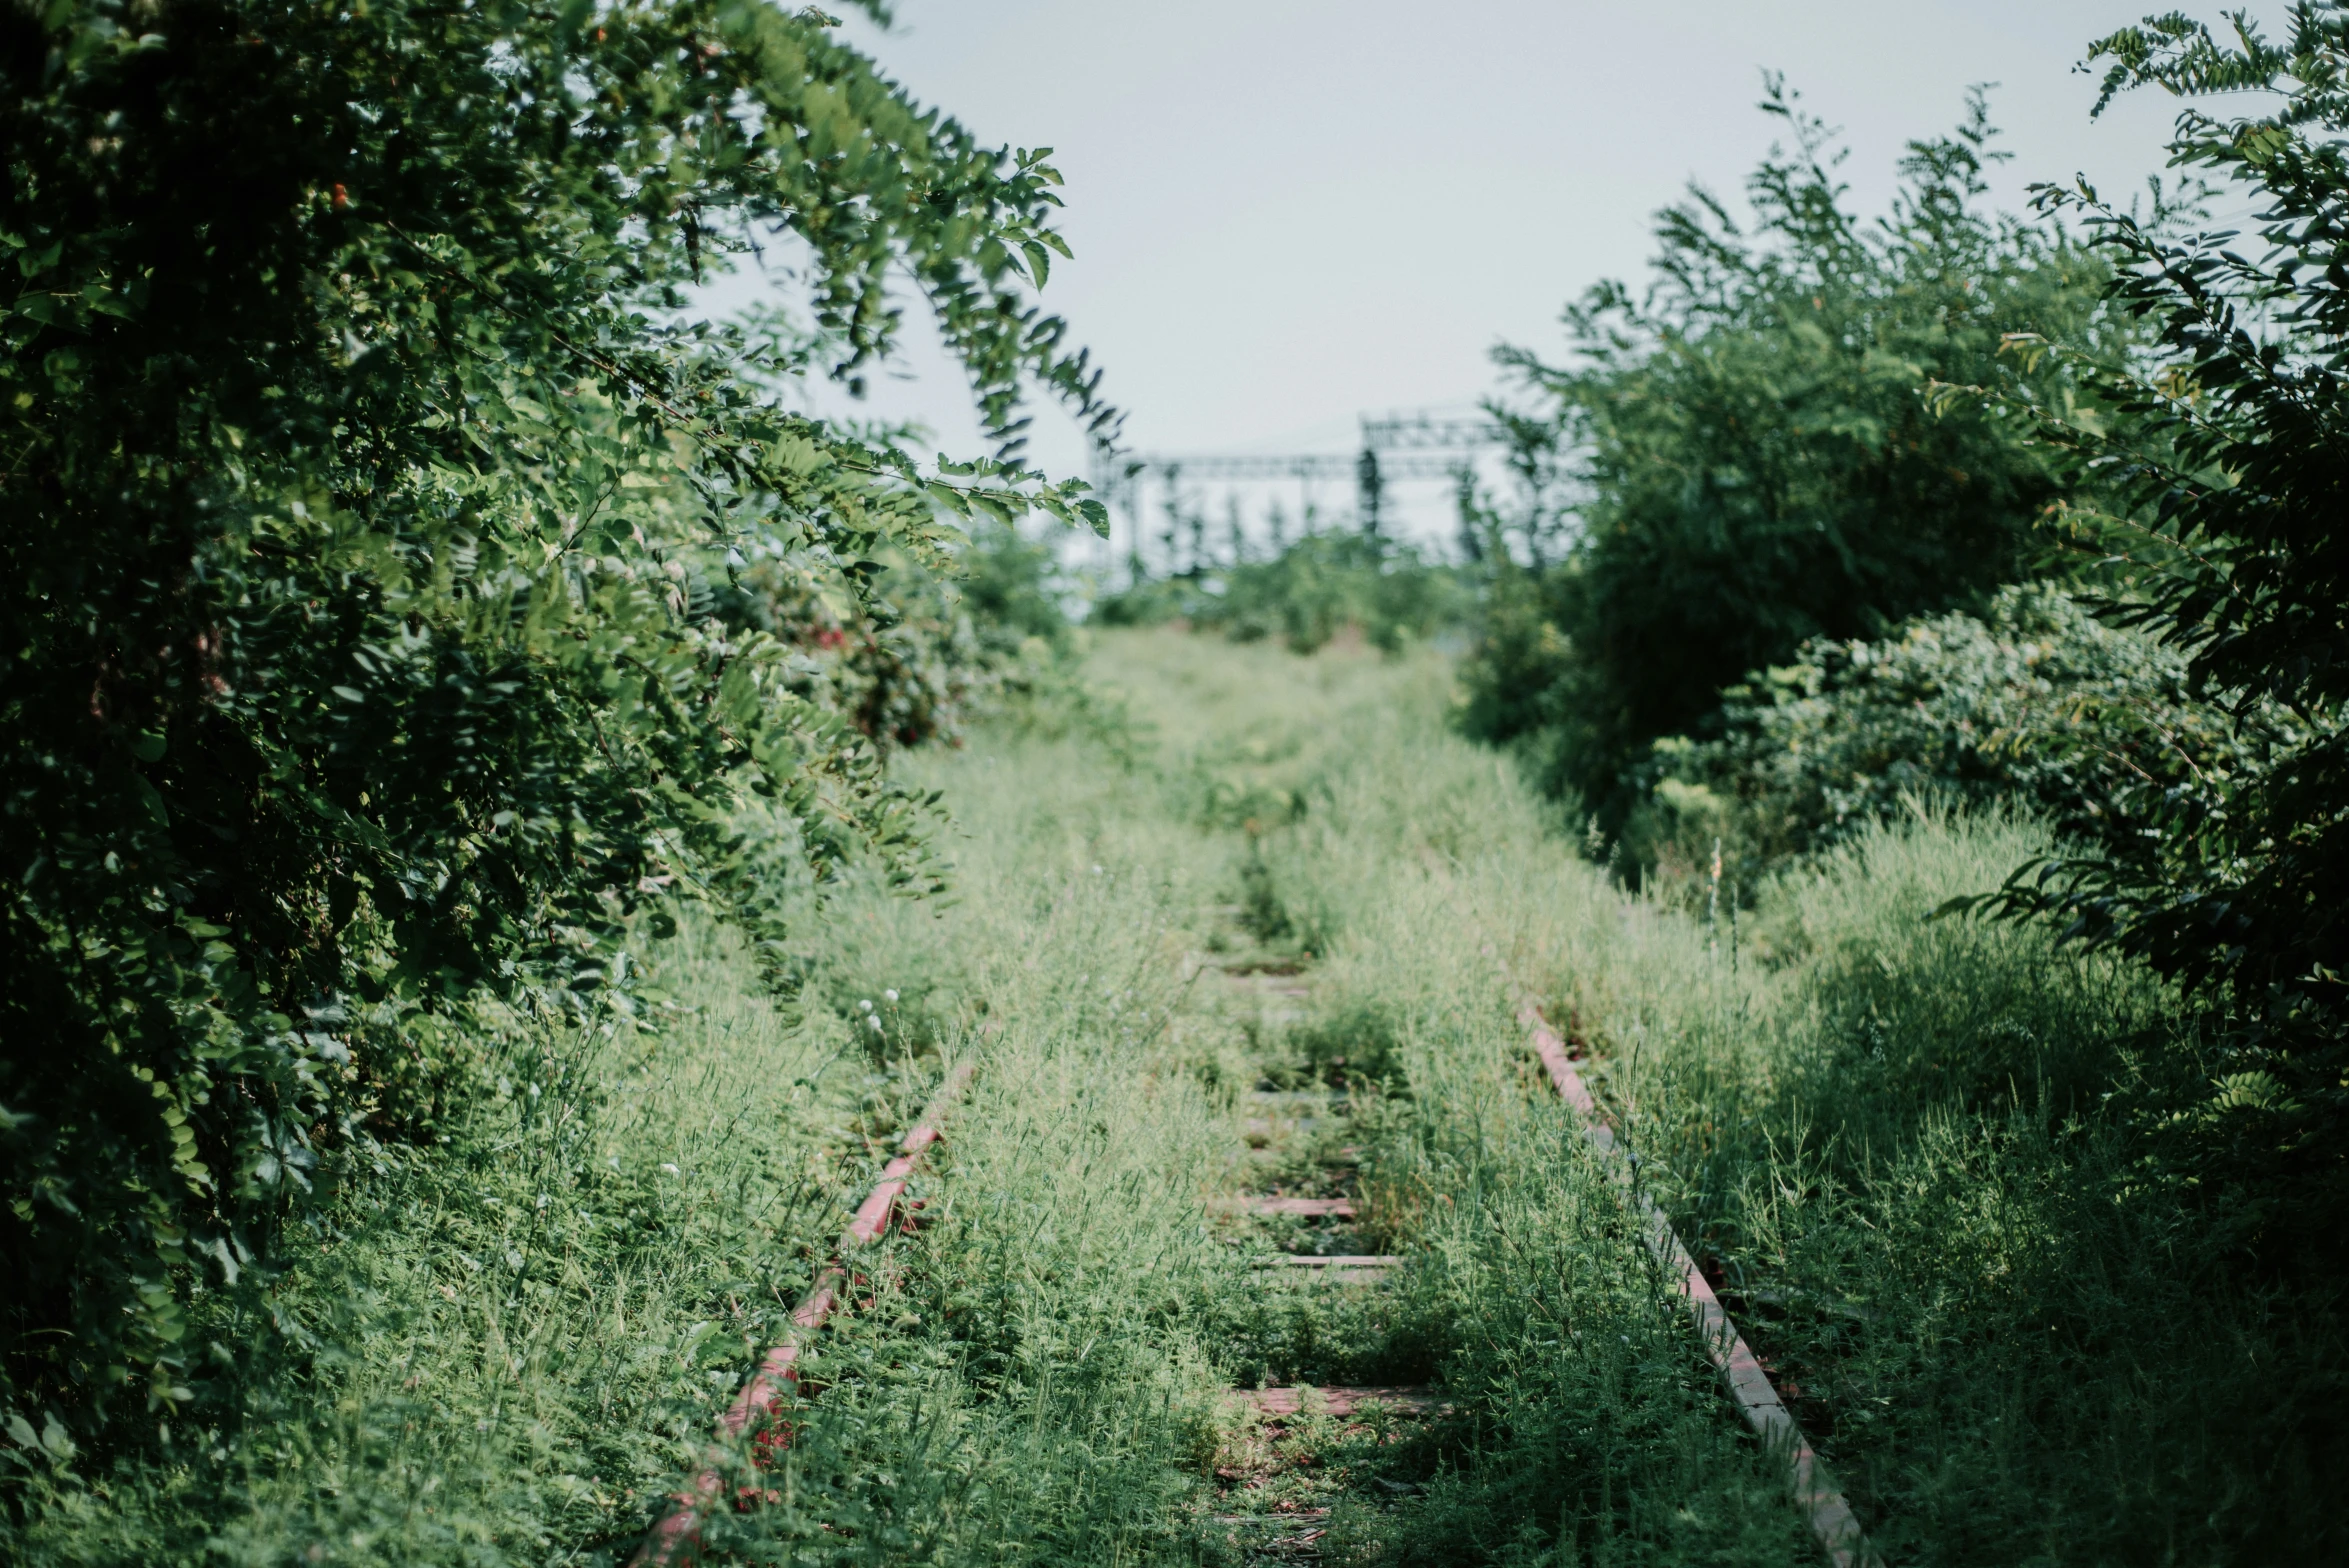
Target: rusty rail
{"points": [[672, 1542], [1831, 1519]]}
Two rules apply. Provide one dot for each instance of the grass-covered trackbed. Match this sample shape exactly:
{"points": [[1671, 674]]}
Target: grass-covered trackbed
{"points": [[1261, 1235], [1260, 1230], [1269, 1237]]}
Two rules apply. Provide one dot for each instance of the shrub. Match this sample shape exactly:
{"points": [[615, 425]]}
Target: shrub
{"points": [[925, 643], [2033, 702], [1305, 593], [2224, 538], [1760, 464], [1327, 581], [1014, 588]]}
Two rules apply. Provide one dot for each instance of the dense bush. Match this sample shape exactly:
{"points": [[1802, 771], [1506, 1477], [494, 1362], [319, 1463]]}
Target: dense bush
{"points": [[924, 645], [2034, 702], [357, 603], [1760, 463]]}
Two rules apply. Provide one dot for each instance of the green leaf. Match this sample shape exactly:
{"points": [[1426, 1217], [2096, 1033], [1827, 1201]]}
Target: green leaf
{"points": [[1039, 261]]}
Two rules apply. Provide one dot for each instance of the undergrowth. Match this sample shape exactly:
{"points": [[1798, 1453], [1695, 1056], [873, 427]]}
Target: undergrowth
{"points": [[1913, 1154]]}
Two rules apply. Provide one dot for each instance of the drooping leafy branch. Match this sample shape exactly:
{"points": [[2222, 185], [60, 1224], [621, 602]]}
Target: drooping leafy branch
{"points": [[368, 484]]}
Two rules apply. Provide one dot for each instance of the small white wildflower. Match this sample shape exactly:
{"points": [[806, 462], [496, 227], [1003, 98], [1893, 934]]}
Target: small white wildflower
{"points": [[890, 995], [1097, 871], [876, 1023], [864, 1004], [671, 1169]]}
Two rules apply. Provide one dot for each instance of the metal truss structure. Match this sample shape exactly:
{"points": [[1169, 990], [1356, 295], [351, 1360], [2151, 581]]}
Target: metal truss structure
{"points": [[1399, 446]]}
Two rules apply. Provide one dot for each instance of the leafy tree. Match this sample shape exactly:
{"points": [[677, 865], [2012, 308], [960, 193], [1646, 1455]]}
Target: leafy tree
{"points": [[369, 494], [1759, 463], [2226, 541]]}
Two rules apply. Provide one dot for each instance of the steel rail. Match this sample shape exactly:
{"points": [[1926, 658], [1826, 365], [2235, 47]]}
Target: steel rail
{"points": [[1823, 1505], [676, 1536]]}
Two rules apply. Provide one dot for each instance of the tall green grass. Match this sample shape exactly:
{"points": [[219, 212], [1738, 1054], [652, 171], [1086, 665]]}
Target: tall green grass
{"points": [[1921, 1145], [493, 1344], [1917, 1149], [1910, 1149], [1076, 1305]]}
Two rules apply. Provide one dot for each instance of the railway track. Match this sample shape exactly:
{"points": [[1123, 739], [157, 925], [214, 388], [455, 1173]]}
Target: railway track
{"points": [[758, 1413], [1815, 1492], [1308, 1227], [1299, 1455], [1316, 1239]]}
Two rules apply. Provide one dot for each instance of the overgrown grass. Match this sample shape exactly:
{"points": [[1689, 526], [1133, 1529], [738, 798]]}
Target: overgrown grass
{"points": [[1920, 1149], [1585, 1420], [1905, 1148], [1913, 1151], [494, 1343]]}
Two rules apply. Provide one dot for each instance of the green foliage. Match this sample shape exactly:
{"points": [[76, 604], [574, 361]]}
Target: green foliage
{"points": [[1525, 683], [1304, 593], [1923, 1161], [1922, 1158], [1759, 465], [505, 1337], [2226, 541], [2034, 702], [924, 645], [1911, 1153], [1014, 588], [898, 660], [368, 516], [1586, 1426], [1326, 582]]}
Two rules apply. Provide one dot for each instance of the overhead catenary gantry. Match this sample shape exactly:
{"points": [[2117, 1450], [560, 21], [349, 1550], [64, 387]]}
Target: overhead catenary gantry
{"points": [[1419, 445]]}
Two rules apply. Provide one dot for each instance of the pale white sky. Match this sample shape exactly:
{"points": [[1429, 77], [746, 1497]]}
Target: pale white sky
{"points": [[1291, 212]]}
